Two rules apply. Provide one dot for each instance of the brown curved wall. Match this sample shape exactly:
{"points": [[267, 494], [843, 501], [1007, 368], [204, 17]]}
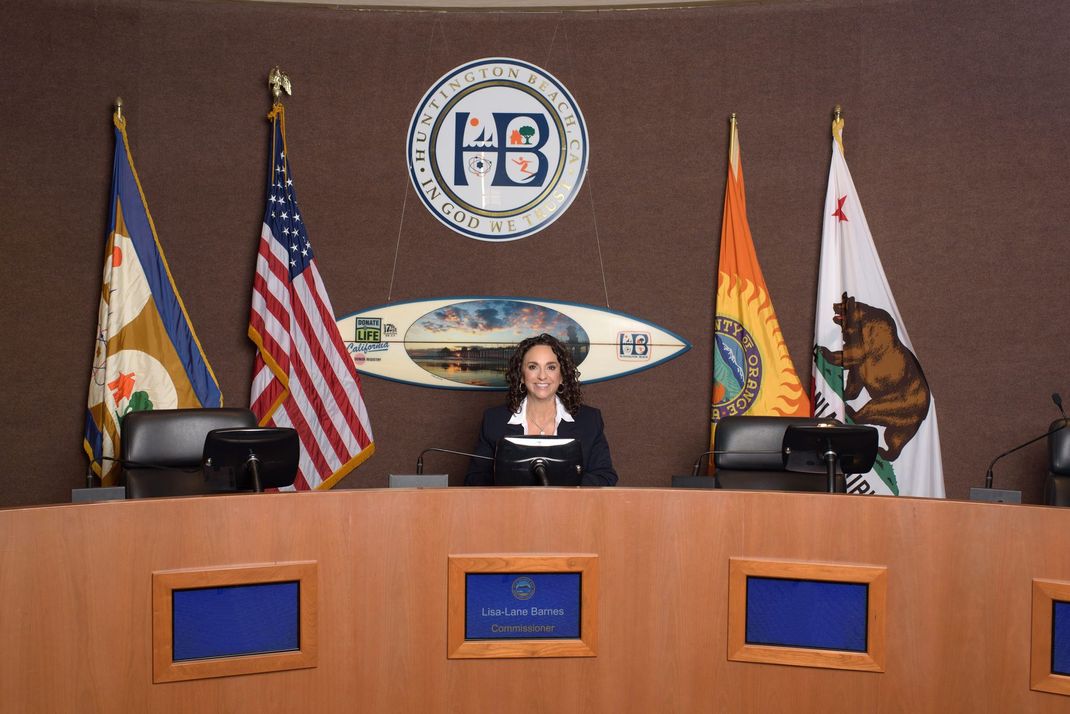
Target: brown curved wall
{"points": [[957, 137]]}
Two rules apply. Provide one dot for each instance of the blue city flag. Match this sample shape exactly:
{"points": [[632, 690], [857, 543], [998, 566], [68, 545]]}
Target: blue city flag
{"points": [[147, 355]]}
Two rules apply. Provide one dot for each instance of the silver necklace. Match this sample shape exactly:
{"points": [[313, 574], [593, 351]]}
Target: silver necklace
{"points": [[540, 427]]}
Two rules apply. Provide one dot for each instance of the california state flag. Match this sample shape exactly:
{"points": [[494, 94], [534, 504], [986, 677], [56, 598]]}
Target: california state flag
{"points": [[865, 370], [752, 371]]}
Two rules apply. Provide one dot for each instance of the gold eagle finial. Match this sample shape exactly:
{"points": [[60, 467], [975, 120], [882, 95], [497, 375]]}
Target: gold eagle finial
{"points": [[279, 83]]}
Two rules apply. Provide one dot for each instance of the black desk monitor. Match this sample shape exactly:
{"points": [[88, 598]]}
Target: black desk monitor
{"points": [[250, 459], [813, 448], [538, 461]]}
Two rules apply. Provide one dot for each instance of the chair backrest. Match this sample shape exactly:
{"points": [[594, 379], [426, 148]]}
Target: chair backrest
{"points": [[1057, 484], [759, 471], [169, 443]]}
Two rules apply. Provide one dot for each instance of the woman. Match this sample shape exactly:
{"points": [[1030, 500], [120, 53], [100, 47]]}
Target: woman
{"points": [[544, 399]]}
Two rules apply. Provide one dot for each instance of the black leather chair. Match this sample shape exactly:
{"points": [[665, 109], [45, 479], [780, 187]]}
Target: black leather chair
{"points": [[1057, 484], [762, 471], [161, 449]]}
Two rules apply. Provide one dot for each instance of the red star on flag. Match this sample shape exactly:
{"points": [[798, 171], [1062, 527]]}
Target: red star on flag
{"points": [[839, 209]]}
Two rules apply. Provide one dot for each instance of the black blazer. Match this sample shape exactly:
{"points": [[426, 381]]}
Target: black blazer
{"points": [[587, 427]]}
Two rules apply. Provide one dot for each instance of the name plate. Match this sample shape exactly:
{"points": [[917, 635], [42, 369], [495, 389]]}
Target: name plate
{"points": [[814, 614], [807, 614], [233, 620], [1049, 668], [501, 606], [522, 606], [1060, 636]]}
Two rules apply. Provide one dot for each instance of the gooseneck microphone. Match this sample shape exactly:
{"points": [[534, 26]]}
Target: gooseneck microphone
{"points": [[1059, 403], [420, 458]]}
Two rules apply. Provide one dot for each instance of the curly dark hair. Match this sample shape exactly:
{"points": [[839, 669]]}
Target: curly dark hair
{"points": [[569, 392]]}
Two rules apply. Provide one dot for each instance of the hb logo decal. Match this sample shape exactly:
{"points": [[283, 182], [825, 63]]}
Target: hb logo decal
{"points": [[511, 162], [633, 345]]}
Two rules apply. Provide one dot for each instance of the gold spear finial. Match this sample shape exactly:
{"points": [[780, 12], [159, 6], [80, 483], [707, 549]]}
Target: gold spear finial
{"points": [[279, 83], [117, 116], [837, 126], [733, 145]]}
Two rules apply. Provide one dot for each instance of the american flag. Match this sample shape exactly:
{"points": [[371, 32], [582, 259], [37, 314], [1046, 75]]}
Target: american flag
{"points": [[303, 378]]}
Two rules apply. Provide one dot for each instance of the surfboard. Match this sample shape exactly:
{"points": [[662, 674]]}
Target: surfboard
{"points": [[466, 342]]}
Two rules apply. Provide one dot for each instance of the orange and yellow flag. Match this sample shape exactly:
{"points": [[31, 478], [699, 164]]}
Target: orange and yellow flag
{"points": [[752, 370]]}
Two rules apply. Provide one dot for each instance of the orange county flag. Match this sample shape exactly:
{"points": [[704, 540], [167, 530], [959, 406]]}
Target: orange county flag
{"points": [[752, 370], [865, 371], [303, 377], [147, 355]]}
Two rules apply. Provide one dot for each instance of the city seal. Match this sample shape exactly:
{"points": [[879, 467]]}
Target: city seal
{"points": [[497, 149]]}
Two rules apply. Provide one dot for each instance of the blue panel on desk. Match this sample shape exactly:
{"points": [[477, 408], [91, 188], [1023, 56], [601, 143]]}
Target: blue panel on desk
{"points": [[235, 620], [1060, 638], [814, 614], [522, 606]]}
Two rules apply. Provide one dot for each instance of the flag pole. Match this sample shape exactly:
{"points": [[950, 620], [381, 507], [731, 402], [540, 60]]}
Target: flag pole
{"points": [[90, 481]]}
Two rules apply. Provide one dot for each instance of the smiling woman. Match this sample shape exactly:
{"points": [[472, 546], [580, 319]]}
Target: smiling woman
{"points": [[544, 400]]}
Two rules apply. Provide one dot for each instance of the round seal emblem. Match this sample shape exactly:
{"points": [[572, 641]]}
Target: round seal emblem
{"points": [[737, 369], [523, 588], [497, 149]]}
